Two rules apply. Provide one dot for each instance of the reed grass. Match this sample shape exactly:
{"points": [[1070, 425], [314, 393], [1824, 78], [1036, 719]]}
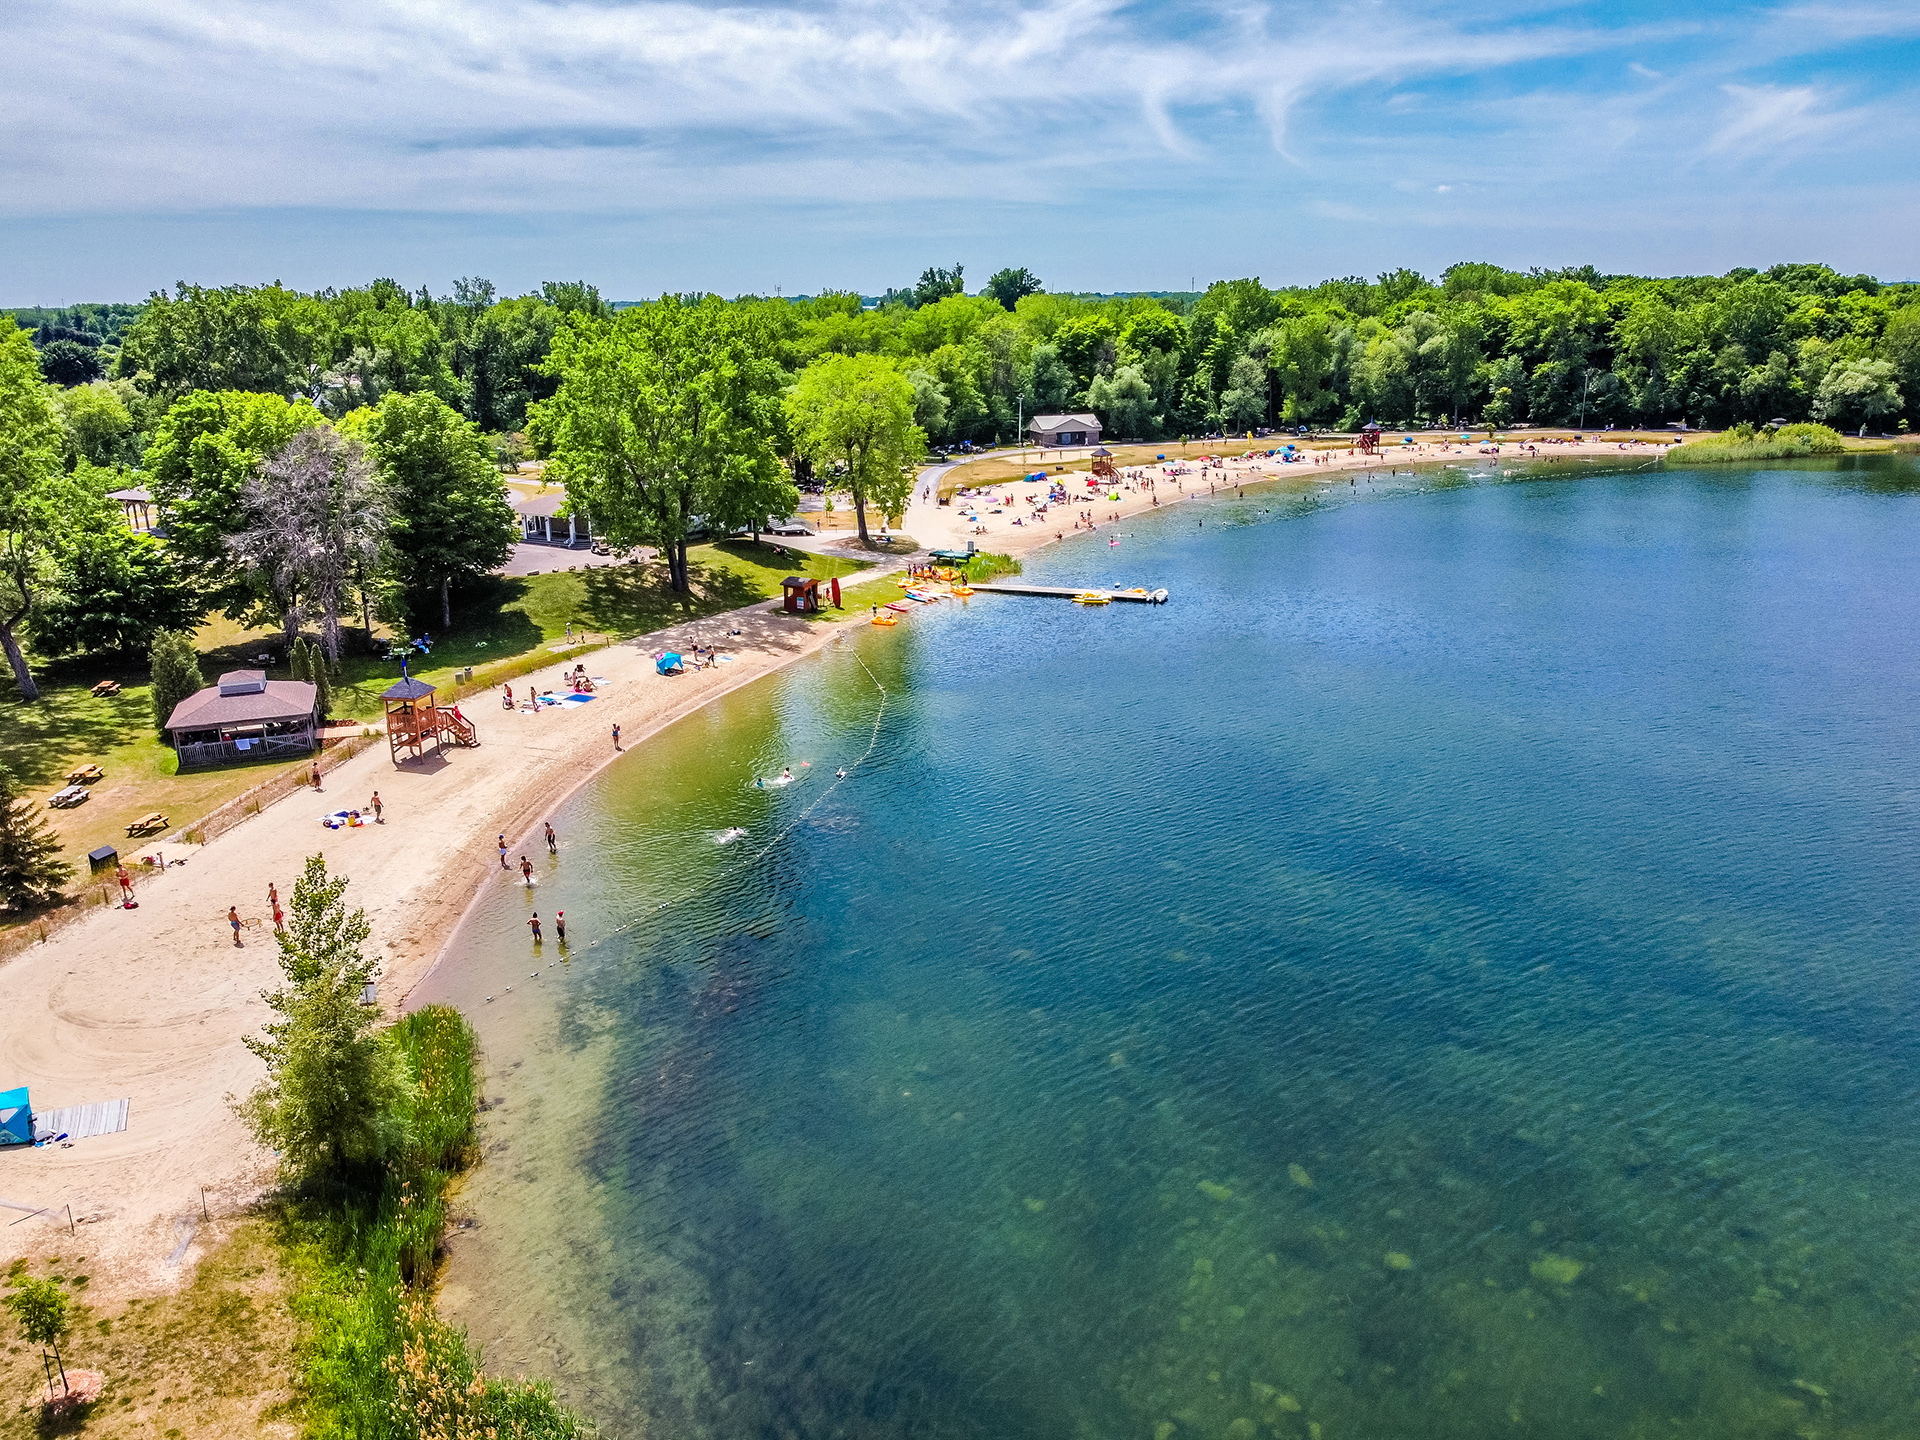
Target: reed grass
{"points": [[1744, 443], [378, 1362]]}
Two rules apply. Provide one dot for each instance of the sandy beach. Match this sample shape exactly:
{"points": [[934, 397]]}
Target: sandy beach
{"points": [[150, 1004]]}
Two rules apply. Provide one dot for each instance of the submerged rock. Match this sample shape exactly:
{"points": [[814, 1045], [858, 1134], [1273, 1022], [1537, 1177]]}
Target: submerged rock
{"points": [[1397, 1261], [1215, 1192], [1298, 1174]]}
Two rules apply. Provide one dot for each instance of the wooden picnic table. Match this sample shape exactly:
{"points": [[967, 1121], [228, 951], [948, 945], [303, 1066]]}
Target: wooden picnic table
{"points": [[155, 821], [107, 687], [85, 775]]}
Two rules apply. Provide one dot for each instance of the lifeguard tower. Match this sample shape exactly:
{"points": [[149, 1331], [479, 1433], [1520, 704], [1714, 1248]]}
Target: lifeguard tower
{"points": [[415, 720], [1370, 438], [1103, 466]]}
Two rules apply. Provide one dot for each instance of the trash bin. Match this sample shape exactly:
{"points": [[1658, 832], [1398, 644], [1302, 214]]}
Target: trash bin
{"points": [[105, 858]]}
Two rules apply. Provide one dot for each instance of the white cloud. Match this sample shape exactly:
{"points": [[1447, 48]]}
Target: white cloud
{"points": [[1773, 118]]}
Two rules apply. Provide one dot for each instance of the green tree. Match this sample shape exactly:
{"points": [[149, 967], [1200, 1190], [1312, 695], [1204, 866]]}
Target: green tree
{"points": [[39, 501], [43, 1310], [1857, 392], [664, 413], [300, 660], [1243, 404], [174, 665], [857, 411], [203, 454], [1011, 286], [936, 284], [111, 591], [446, 513], [98, 423], [335, 1087], [1125, 400], [259, 338], [71, 362]]}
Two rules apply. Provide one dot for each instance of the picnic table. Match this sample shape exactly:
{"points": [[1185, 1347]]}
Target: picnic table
{"points": [[107, 687], [64, 799], [146, 823], [85, 775]]}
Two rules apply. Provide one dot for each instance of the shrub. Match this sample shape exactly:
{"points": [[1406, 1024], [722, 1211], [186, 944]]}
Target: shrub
{"points": [[1742, 442], [175, 666]]}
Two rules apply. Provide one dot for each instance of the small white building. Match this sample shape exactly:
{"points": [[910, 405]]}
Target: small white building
{"points": [[541, 520], [1064, 429]]}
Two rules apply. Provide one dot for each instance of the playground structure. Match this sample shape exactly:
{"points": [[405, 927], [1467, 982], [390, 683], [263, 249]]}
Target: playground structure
{"points": [[415, 719]]}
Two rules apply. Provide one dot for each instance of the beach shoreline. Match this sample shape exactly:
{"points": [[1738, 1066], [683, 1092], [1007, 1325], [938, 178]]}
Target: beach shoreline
{"points": [[151, 1004]]}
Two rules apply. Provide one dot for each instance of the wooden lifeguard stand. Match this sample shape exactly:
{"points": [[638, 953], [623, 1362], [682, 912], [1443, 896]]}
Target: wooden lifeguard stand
{"points": [[1103, 466], [1370, 438], [415, 719]]}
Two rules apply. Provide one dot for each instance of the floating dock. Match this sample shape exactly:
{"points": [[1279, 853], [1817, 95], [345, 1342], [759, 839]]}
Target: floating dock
{"points": [[1067, 592]]}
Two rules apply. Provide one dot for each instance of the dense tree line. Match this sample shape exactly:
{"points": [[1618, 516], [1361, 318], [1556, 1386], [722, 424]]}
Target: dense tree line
{"points": [[365, 424]]}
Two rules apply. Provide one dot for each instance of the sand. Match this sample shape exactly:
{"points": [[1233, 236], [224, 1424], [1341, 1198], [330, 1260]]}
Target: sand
{"points": [[150, 1004]]}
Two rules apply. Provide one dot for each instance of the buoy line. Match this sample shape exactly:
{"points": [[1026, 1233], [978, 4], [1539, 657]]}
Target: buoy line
{"points": [[873, 740]]}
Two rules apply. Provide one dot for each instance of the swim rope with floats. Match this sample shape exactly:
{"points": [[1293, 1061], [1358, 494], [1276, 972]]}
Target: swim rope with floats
{"points": [[873, 741]]}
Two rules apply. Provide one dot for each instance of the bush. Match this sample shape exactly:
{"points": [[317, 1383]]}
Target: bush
{"points": [[1742, 442]]}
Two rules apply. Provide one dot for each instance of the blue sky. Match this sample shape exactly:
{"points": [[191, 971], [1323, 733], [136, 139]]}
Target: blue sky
{"points": [[652, 146]]}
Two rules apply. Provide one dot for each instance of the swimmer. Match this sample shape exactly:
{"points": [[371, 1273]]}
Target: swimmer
{"points": [[840, 774], [731, 833], [786, 775]]}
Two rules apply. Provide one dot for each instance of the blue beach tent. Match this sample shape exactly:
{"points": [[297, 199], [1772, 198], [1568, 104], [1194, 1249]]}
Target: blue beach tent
{"points": [[667, 663], [16, 1118]]}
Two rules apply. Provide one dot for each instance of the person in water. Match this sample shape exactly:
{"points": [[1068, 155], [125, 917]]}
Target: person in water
{"points": [[786, 774]]}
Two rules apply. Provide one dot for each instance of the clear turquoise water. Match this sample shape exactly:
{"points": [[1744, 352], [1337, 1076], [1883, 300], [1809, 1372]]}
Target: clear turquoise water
{"points": [[1448, 974]]}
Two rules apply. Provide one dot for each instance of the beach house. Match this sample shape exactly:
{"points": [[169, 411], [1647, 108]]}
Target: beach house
{"points": [[1064, 429]]}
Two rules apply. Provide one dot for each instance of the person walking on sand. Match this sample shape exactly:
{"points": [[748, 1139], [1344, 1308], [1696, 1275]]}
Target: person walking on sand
{"points": [[233, 919], [503, 853], [560, 927], [553, 841], [526, 871], [279, 915], [375, 806], [316, 775], [126, 884], [534, 925], [616, 737]]}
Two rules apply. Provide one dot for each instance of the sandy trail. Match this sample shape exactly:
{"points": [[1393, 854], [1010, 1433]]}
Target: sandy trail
{"points": [[150, 1004]]}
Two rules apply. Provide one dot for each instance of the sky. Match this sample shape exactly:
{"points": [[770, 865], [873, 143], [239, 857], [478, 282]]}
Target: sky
{"points": [[651, 146]]}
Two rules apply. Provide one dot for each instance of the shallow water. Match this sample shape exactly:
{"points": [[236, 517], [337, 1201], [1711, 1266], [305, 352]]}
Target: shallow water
{"points": [[1449, 973]]}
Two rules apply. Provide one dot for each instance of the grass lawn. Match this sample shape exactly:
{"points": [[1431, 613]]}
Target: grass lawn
{"points": [[503, 628]]}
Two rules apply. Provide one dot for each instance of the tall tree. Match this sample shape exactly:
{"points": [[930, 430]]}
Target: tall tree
{"points": [[312, 519], [334, 1085], [39, 500], [204, 452], [857, 411], [1011, 286], [262, 338], [447, 516], [174, 664], [661, 413], [111, 590]]}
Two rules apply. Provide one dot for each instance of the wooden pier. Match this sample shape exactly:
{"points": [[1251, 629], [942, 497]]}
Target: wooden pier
{"points": [[1067, 592]]}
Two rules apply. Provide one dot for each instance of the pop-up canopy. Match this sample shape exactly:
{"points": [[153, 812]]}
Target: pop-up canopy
{"points": [[16, 1118]]}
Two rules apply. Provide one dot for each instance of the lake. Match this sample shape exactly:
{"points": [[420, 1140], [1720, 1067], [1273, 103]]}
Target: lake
{"points": [[1448, 973]]}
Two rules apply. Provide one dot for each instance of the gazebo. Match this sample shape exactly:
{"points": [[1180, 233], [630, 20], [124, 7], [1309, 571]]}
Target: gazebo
{"points": [[244, 716], [801, 594]]}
